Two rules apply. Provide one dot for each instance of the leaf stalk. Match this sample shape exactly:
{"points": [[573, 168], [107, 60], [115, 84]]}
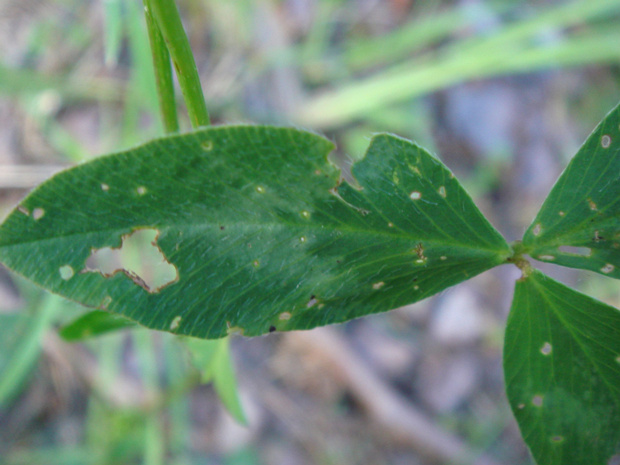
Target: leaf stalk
{"points": [[167, 17], [163, 72]]}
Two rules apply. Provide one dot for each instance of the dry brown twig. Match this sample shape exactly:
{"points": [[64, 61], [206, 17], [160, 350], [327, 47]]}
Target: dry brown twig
{"points": [[398, 419]]}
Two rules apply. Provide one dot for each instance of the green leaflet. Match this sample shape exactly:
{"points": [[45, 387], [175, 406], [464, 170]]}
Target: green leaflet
{"points": [[20, 343], [579, 223], [259, 231], [562, 369], [94, 323], [214, 361]]}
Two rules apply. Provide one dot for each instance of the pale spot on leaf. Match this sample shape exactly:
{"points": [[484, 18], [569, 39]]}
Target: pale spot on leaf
{"points": [[442, 192], [605, 141], [379, 285], [608, 268], [537, 229], [305, 214], [207, 145], [38, 213], [561, 213], [546, 348], [537, 400], [107, 300], [419, 251], [592, 205], [23, 210], [415, 195], [175, 323], [105, 187], [284, 316], [546, 257], [141, 190], [66, 272], [302, 239], [260, 189]]}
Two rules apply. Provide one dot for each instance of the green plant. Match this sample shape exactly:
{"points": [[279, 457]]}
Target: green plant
{"points": [[256, 233]]}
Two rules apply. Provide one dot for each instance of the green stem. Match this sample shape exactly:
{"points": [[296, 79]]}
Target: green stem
{"points": [[167, 16], [163, 73]]}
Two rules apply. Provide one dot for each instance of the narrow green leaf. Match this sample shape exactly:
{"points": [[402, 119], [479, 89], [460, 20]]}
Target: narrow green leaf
{"points": [[113, 30], [20, 343], [94, 323], [579, 223], [212, 358], [254, 231], [562, 369]]}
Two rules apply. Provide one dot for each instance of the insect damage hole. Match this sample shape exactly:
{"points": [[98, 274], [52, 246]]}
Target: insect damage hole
{"points": [[139, 258], [582, 251]]}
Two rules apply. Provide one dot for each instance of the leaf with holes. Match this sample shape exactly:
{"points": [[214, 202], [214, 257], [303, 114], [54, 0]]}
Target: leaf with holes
{"points": [[562, 369], [579, 223], [254, 232]]}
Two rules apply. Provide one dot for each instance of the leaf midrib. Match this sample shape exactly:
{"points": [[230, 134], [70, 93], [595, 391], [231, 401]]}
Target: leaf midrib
{"points": [[266, 226]]}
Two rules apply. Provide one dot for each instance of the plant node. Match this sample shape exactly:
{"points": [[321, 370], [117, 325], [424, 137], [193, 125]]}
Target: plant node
{"points": [[518, 250]]}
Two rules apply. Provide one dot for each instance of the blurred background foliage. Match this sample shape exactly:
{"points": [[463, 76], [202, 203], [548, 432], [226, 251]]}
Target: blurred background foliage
{"points": [[503, 91]]}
